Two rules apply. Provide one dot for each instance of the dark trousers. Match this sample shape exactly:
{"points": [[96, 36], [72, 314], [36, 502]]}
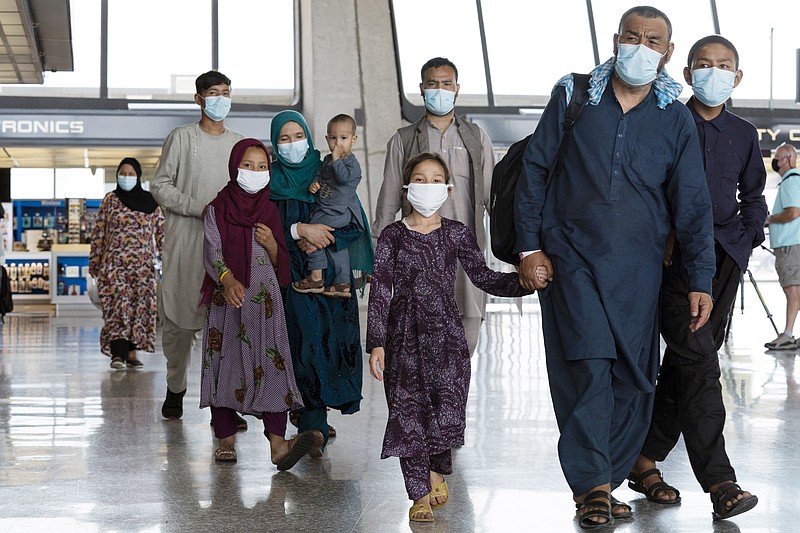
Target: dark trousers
{"points": [[120, 348], [601, 418], [223, 419], [689, 394], [314, 419], [417, 472]]}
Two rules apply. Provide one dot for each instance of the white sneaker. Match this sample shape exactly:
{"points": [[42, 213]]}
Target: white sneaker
{"points": [[782, 342]]}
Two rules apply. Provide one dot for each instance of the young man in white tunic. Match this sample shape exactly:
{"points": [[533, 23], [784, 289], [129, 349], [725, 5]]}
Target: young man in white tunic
{"points": [[192, 170]]}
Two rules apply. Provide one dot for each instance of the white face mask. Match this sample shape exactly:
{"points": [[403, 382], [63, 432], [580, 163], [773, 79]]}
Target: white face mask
{"points": [[294, 152], [127, 183], [252, 181], [427, 198]]}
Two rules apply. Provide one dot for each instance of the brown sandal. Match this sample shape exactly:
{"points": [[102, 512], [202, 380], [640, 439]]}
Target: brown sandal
{"points": [[338, 290], [225, 454], [316, 448], [298, 447], [309, 286]]}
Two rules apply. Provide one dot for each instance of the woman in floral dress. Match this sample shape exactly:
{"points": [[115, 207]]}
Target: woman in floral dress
{"points": [[126, 238], [247, 366]]}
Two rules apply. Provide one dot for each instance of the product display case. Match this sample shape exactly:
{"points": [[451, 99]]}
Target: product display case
{"points": [[30, 275], [68, 272], [43, 223], [56, 234], [6, 227], [57, 277]]}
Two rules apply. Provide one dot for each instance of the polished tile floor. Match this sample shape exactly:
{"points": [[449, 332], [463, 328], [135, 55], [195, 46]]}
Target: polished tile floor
{"points": [[85, 449]]}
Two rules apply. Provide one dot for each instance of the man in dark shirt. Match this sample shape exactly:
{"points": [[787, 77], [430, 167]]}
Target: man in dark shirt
{"points": [[598, 228], [688, 395]]}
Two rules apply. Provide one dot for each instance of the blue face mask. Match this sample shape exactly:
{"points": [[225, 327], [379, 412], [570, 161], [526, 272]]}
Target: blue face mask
{"points": [[439, 101], [217, 107], [127, 183], [637, 64], [294, 152], [712, 86]]}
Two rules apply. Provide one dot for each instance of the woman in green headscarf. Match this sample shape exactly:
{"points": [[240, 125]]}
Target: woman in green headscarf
{"points": [[324, 333]]}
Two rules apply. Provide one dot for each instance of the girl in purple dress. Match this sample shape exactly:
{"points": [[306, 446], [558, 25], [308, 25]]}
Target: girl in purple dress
{"points": [[415, 337], [247, 366]]}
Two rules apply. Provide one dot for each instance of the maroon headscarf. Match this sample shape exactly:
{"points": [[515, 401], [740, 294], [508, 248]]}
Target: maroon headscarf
{"points": [[236, 212]]}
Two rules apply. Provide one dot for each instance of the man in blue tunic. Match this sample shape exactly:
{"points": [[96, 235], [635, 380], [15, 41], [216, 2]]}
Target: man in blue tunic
{"points": [[632, 169]]}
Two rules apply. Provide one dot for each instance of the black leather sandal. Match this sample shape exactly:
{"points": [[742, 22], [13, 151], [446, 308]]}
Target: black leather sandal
{"points": [[731, 491], [636, 483], [626, 512], [596, 504]]}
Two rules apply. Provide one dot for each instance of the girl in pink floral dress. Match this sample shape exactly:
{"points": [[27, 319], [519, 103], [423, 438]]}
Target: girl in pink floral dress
{"points": [[247, 366]]}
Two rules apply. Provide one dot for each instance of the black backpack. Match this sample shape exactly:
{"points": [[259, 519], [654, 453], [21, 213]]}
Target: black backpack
{"points": [[507, 171]]}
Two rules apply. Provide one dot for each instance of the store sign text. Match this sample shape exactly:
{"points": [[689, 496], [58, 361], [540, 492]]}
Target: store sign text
{"points": [[772, 135], [45, 127]]}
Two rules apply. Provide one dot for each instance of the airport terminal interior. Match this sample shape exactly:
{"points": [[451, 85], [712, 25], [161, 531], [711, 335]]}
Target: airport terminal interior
{"points": [[83, 83], [85, 449]]}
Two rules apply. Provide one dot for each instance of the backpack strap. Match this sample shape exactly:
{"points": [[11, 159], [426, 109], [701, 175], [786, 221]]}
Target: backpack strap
{"points": [[580, 96]]}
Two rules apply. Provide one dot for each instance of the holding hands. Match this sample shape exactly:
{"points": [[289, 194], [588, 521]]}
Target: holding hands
{"points": [[535, 271]]}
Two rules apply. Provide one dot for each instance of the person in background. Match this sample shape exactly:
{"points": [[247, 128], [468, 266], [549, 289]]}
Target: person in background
{"points": [[784, 238], [469, 155], [2, 235], [192, 170], [415, 337], [247, 366], [631, 169], [688, 396], [324, 333], [125, 241]]}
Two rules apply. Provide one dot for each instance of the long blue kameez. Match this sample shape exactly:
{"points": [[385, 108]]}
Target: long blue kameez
{"points": [[324, 333], [603, 222]]}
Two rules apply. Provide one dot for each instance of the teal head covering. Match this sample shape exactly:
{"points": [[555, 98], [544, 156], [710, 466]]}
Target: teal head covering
{"points": [[290, 181]]}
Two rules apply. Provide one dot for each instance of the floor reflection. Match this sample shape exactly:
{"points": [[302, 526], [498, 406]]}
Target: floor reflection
{"points": [[85, 449]]}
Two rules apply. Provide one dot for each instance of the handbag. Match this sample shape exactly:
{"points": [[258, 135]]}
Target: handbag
{"points": [[91, 290]]}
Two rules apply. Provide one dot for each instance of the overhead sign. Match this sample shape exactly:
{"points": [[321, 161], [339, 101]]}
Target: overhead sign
{"points": [[114, 128], [41, 127]]}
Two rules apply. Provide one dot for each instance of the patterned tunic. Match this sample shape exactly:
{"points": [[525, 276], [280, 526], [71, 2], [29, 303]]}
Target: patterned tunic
{"points": [[427, 360], [247, 365], [123, 251]]}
